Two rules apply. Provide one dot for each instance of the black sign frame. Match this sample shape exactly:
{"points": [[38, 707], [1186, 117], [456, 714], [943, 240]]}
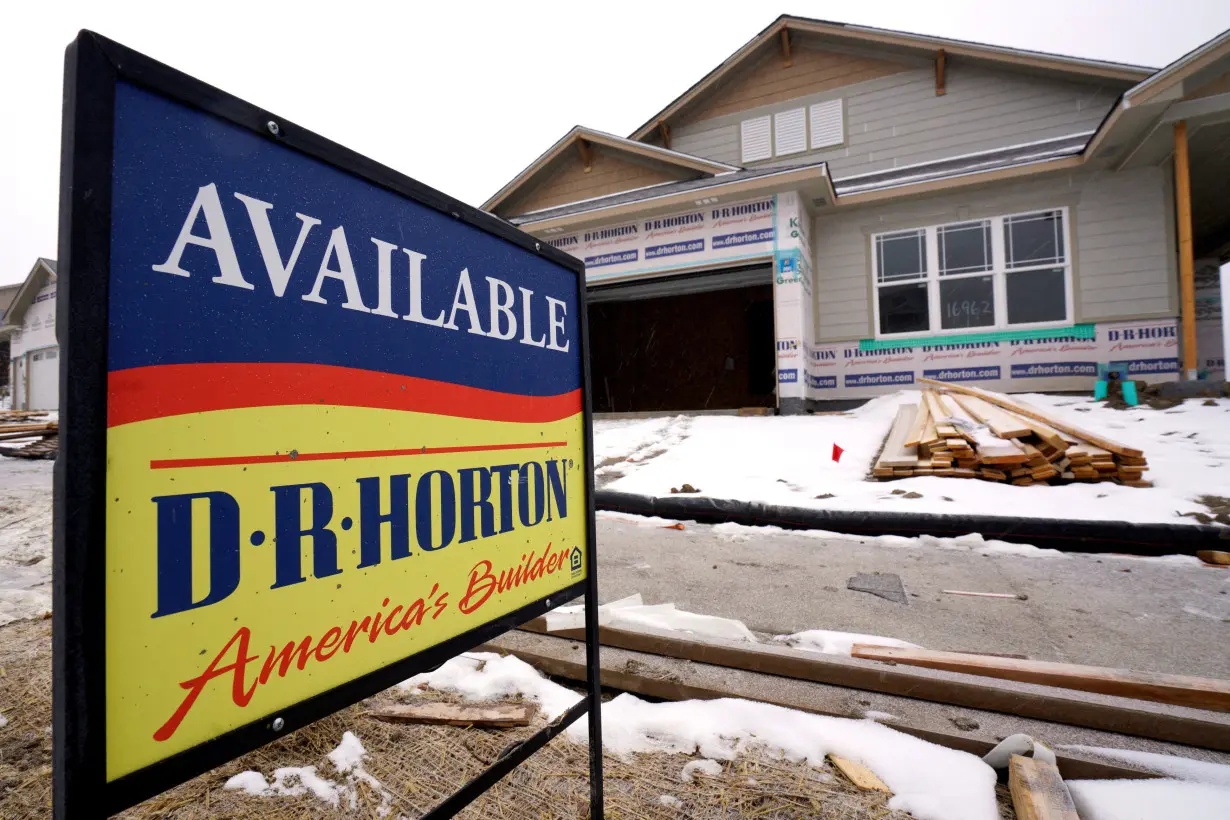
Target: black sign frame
{"points": [[93, 67]]}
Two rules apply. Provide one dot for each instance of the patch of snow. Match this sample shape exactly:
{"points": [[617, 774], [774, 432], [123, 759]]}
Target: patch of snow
{"points": [[3, 721], [706, 767], [785, 460], [881, 716], [19, 604], [671, 801], [349, 753], [1177, 560], [1149, 800], [253, 783], [1204, 613], [1181, 768], [838, 643], [930, 781], [293, 781], [25, 539], [632, 613], [487, 676]]}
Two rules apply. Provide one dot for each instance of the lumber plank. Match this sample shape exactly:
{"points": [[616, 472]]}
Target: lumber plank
{"points": [[859, 774], [1025, 411], [1214, 557], [919, 429], [895, 453], [1070, 707], [1038, 792], [490, 715], [1001, 422], [1178, 690], [557, 656]]}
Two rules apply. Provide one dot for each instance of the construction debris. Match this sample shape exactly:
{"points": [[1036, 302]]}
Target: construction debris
{"points": [[966, 432], [1177, 690], [486, 715], [1038, 791], [20, 429], [859, 775]]}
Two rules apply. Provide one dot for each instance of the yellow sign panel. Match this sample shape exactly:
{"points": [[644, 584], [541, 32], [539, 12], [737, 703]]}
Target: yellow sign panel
{"points": [[339, 565]]}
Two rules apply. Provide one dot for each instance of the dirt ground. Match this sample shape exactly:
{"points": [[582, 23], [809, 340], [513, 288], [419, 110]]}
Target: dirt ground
{"points": [[417, 766]]}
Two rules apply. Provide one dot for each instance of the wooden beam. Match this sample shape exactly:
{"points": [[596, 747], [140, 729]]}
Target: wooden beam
{"points": [[1072, 708], [787, 59], [940, 63], [1187, 263], [665, 131], [486, 715], [554, 656], [587, 156], [1038, 791], [1027, 412], [1177, 690]]}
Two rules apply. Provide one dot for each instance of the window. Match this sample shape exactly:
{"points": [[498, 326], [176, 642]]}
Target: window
{"points": [[1002, 272]]}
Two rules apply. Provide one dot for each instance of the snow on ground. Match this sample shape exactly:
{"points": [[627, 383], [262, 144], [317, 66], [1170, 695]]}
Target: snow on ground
{"points": [[293, 781], [787, 460], [930, 781], [1149, 800], [838, 643], [25, 539], [1180, 768]]}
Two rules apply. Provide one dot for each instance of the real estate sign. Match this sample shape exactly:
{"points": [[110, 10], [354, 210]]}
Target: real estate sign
{"points": [[324, 427]]}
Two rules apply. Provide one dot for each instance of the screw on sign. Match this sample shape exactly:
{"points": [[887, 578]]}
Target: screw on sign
{"points": [[390, 393]]}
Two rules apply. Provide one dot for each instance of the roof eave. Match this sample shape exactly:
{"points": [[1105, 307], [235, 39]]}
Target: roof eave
{"points": [[1055, 62], [676, 158], [786, 177]]}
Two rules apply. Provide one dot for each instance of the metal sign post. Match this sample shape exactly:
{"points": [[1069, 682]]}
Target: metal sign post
{"points": [[323, 428]]}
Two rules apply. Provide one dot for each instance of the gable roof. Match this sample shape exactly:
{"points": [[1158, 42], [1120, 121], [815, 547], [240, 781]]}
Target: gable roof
{"points": [[894, 41], [618, 144], [36, 279]]}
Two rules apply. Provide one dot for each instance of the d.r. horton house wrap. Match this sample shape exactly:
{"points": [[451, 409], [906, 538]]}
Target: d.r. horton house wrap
{"points": [[837, 211]]}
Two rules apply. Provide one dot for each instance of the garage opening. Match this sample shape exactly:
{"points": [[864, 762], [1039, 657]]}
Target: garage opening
{"points": [[697, 342]]}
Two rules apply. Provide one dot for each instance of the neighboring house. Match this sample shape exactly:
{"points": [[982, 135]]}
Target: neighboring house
{"points": [[7, 292], [837, 211], [34, 355]]}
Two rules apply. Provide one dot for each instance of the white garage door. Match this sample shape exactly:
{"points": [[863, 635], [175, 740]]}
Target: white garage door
{"points": [[45, 380]]}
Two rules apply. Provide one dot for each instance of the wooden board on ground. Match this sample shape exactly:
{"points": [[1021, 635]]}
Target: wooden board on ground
{"points": [[1038, 792], [1178, 690], [489, 715], [860, 775], [1023, 410], [639, 674], [896, 454], [1214, 557], [1070, 707]]}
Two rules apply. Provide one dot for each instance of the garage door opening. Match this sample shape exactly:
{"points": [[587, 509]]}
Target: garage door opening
{"points": [[701, 342]]}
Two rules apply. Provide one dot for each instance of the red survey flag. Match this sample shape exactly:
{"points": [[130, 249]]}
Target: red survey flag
{"points": [[837, 451]]}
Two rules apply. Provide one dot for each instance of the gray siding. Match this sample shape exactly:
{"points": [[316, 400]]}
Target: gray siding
{"points": [[1124, 248], [898, 120]]}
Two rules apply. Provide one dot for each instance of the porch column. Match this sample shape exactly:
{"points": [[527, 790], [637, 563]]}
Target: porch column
{"points": [[1187, 263], [792, 301]]}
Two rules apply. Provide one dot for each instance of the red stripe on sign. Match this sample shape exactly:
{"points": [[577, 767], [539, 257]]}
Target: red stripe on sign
{"points": [[279, 458], [158, 391]]}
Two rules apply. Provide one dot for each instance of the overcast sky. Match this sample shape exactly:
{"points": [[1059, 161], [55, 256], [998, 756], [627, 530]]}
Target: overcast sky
{"points": [[462, 96]]}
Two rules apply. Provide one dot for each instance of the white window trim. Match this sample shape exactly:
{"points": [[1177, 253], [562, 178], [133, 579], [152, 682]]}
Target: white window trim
{"points": [[999, 271]]}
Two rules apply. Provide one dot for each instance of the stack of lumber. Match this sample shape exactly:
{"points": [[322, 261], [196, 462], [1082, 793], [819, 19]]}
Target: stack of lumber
{"points": [[37, 439], [966, 432]]}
